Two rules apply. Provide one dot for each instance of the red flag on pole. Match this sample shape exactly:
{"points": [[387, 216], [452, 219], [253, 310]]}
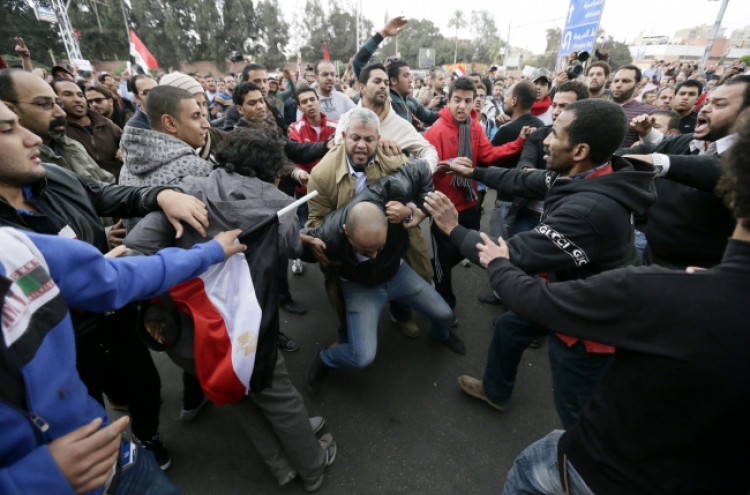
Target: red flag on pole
{"points": [[139, 54], [326, 56]]}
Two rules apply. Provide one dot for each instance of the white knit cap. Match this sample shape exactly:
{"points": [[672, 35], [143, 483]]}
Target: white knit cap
{"points": [[182, 81]]}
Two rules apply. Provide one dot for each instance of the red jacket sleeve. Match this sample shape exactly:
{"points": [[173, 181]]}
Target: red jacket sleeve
{"points": [[494, 155]]}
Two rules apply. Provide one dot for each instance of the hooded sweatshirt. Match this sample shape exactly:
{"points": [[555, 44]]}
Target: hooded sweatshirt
{"points": [[153, 158], [586, 226]]}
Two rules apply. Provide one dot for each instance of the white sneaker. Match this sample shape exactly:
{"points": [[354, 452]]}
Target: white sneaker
{"points": [[298, 268]]}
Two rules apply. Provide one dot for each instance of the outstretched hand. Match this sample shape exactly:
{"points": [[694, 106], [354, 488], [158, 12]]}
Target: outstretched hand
{"points": [[442, 210], [490, 251], [393, 27], [229, 243]]}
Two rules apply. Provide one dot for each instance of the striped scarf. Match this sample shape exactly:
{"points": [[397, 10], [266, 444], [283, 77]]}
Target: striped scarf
{"points": [[464, 149]]}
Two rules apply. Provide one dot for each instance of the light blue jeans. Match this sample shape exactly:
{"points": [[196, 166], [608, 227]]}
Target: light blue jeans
{"points": [[364, 305], [535, 472]]}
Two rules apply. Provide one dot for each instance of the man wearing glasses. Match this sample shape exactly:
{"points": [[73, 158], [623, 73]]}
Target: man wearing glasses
{"points": [[102, 100], [332, 103], [40, 111], [140, 85]]}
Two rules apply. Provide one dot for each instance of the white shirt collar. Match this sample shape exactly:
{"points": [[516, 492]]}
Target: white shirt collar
{"points": [[716, 148]]}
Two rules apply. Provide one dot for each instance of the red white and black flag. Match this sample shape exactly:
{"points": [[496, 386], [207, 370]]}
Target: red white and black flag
{"points": [[234, 308], [140, 58]]}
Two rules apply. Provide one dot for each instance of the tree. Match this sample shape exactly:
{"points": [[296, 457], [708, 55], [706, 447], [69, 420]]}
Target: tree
{"points": [[459, 22], [18, 19], [316, 32], [241, 27], [619, 54], [554, 37], [418, 33], [275, 34], [103, 35], [486, 40]]}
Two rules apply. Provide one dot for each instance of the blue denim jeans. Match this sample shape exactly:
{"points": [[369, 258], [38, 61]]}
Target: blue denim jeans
{"points": [[535, 471], [575, 375], [144, 477], [511, 336], [364, 305], [640, 242]]}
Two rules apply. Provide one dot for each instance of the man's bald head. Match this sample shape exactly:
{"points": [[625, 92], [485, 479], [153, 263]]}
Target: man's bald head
{"points": [[367, 228]]}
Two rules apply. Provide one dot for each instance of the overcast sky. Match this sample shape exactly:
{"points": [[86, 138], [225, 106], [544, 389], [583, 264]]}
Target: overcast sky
{"points": [[529, 19]]}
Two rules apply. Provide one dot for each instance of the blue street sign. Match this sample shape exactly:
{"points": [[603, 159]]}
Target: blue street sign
{"points": [[581, 25]]}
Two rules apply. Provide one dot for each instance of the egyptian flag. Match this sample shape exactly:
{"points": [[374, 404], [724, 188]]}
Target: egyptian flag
{"points": [[234, 307], [140, 59]]}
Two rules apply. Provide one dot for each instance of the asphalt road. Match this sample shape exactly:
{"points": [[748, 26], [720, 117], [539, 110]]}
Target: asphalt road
{"points": [[402, 425]]}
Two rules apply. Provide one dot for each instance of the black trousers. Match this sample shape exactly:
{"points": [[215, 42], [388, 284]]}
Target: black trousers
{"points": [[446, 255], [112, 360]]}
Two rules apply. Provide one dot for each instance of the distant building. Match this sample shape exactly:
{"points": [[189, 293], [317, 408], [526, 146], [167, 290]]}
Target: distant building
{"points": [[702, 31]]}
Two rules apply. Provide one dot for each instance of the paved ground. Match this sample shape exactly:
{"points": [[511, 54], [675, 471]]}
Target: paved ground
{"points": [[402, 425]]}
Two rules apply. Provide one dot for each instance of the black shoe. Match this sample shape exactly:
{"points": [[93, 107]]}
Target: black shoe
{"points": [[455, 344], [292, 306], [537, 343], [490, 298], [156, 447], [316, 373], [287, 344], [454, 321]]}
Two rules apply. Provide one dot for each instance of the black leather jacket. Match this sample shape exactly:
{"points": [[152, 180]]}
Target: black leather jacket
{"points": [[409, 183], [63, 197]]}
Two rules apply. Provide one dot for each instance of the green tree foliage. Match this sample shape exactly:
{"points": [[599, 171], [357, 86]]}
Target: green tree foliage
{"points": [[102, 29], [418, 33], [619, 54], [275, 34], [18, 19], [314, 24], [486, 41], [458, 21]]}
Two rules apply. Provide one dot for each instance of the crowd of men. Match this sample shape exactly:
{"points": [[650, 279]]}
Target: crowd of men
{"points": [[620, 235]]}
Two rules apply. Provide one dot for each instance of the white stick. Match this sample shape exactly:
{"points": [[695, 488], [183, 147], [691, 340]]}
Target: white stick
{"points": [[293, 206]]}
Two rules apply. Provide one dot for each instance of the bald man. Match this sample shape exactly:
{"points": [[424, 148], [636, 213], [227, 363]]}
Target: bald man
{"points": [[367, 252]]}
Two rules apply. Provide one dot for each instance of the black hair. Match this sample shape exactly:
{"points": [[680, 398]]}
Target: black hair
{"points": [[364, 75], [248, 69], [638, 73], [462, 84], [252, 153], [301, 91], [317, 64], [7, 87], [674, 118], [238, 96], [689, 83], [435, 71], [394, 69], [664, 89], [650, 91], [525, 91], [134, 79], [102, 77], [580, 89], [472, 74], [734, 185], [104, 90], [164, 100], [603, 65], [600, 124], [741, 79], [59, 80]]}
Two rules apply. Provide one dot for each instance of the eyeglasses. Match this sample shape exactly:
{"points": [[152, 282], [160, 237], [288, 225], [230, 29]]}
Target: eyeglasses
{"points": [[97, 100], [44, 104]]}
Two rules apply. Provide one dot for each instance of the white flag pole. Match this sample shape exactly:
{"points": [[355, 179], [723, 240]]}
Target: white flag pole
{"points": [[293, 206]]}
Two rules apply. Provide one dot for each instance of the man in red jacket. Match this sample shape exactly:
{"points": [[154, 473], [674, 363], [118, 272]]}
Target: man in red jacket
{"points": [[312, 127], [458, 137]]}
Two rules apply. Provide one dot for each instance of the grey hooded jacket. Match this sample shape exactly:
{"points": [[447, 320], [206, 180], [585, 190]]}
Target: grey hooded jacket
{"points": [[153, 158]]}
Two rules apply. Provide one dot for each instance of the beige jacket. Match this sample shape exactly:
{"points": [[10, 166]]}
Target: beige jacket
{"points": [[394, 128], [336, 187]]}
